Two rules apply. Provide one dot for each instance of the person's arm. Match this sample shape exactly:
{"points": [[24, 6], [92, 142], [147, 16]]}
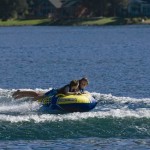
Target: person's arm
{"points": [[71, 93]]}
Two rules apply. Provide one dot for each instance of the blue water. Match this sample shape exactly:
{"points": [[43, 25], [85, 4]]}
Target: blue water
{"points": [[115, 59]]}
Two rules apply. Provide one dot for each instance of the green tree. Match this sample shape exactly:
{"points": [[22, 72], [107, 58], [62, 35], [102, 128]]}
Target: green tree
{"points": [[12, 8], [99, 7], [115, 5], [21, 7]]}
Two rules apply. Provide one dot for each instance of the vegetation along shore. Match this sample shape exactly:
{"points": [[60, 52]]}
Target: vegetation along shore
{"points": [[74, 12], [98, 21]]}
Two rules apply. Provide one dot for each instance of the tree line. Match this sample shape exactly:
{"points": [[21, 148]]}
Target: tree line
{"points": [[100, 7], [91, 8]]}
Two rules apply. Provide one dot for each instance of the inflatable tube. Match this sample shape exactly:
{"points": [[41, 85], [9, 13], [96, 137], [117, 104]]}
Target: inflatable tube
{"points": [[70, 103]]}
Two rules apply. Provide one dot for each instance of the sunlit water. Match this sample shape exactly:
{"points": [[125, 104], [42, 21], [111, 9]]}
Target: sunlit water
{"points": [[116, 61]]}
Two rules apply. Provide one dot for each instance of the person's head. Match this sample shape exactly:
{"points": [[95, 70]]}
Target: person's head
{"points": [[83, 83], [74, 84]]}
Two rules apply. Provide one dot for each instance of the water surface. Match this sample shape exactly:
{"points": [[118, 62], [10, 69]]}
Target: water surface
{"points": [[116, 61]]}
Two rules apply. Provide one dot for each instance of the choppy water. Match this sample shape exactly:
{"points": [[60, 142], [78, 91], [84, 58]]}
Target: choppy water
{"points": [[116, 61]]}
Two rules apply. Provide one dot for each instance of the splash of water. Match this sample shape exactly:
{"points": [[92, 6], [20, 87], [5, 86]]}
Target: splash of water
{"points": [[109, 106]]}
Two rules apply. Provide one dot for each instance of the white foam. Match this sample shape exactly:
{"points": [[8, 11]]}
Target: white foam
{"points": [[28, 110], [24, 107], [109, 97], [118, 113]]}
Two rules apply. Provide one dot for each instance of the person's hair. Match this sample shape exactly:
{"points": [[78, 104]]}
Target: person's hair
{"points": [[84, 79], [74, 83]]}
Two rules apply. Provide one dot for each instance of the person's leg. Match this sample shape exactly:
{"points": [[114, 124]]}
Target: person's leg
{"points": [[21, 94], [15, 93]]}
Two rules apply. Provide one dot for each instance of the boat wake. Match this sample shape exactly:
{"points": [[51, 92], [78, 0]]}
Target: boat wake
{"points": [[108, 106]]}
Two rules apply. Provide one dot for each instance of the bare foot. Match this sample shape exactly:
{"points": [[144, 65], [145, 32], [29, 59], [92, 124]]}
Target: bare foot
{"points": [[15, 93]]}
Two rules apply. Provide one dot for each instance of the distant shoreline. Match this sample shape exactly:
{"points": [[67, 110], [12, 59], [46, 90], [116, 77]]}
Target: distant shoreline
{"points": [[99, 21]]}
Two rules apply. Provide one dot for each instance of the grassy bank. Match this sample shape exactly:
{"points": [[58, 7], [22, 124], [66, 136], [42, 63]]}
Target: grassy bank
{"points": [[77, 22], [103, 21], [30, 22]]}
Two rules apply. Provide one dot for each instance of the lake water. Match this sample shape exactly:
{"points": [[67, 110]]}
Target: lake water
{"points": [[116, 61]]}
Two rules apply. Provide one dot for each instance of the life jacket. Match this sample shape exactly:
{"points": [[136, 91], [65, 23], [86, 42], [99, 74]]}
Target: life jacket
{"points": [[62, 90]]}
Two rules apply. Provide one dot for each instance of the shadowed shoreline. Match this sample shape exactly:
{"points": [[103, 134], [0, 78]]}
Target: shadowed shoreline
{"points": [[97, 21]]}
